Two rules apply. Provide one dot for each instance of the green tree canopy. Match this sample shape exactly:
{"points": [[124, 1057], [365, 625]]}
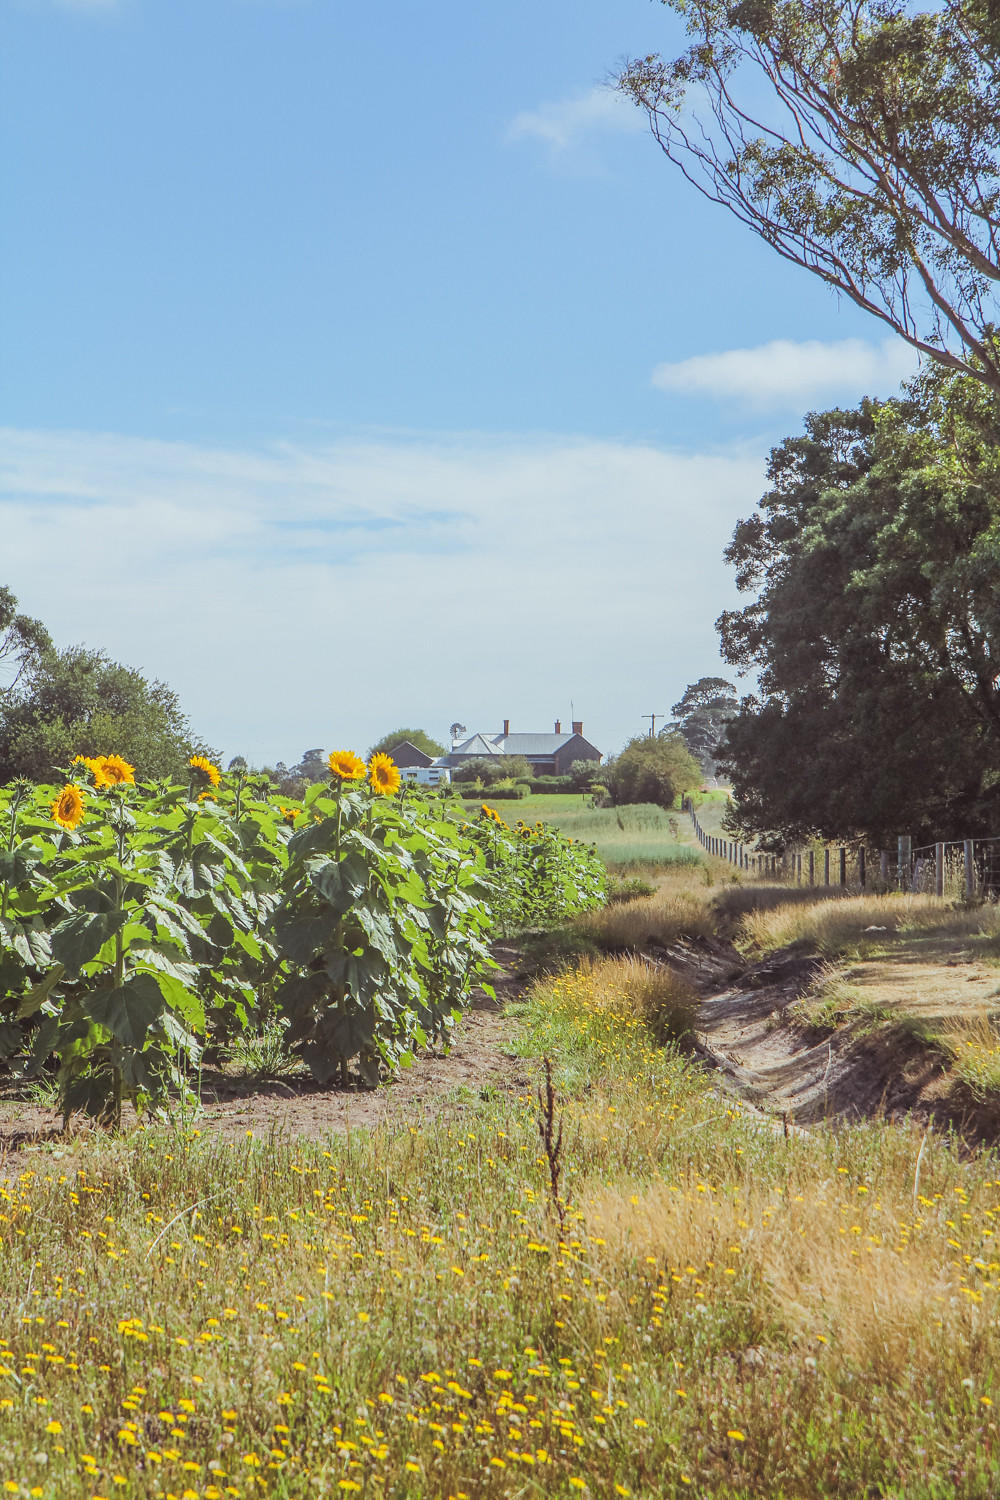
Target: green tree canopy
{"points": [[418, 737], [22, 642], [875, 627], [701, 716], [651, 770], [861, 140], [79, 702]]}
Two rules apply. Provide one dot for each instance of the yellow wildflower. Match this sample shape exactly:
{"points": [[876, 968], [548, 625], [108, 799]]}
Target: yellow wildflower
{"points": [[115, 771]]}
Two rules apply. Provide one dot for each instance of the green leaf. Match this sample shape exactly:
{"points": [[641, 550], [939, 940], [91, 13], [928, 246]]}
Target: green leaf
{"points": [[79, 938], [30, 943], [36, 997], [16, 865], [182, 1000], [299, 937], [315, 838], [340, 883], [129, 1011], [220, 931]]}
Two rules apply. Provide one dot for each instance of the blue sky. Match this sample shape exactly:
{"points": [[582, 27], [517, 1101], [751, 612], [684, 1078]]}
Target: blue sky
{"points": [[372, 366]]}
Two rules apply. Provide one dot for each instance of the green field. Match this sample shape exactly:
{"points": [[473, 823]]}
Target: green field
{"points": [[627, 838]]}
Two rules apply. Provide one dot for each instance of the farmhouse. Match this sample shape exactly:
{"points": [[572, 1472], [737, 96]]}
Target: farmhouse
{"points": [[547, 754]]}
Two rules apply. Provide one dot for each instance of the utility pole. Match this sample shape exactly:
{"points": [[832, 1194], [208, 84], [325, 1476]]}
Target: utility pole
{"points": [[652, 725]]}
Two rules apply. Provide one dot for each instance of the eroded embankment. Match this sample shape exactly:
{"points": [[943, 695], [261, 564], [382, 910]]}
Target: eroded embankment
{"points": [[751, 1027]]}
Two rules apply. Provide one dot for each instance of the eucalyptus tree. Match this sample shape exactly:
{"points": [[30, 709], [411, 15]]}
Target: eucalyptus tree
{"points": [[861, 140]]}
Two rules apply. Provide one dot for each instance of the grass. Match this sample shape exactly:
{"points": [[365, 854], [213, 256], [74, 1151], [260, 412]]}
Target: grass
{"points": [[642, 839], [728, 1312], [832, 1001], [858, 925]]}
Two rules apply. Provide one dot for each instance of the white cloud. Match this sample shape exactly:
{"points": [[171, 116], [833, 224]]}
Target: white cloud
{"points": [[782, 373], [317, 596], [570, 128]]}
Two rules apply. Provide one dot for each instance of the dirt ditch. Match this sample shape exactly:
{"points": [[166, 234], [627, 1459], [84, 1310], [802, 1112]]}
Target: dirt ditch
{"points": [[751, 1031]]}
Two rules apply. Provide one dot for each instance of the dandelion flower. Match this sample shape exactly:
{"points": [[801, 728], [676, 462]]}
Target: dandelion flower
{"points": [[347, 766], [67, 809], [115, 771], [383, 778], [204, 770]]}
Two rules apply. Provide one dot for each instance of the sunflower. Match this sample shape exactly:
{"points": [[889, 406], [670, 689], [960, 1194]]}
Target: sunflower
{"points": [[114, 771], [383, 778], [347, 766], [289, 813], [204, 770], [67, 809], [94, 767]]}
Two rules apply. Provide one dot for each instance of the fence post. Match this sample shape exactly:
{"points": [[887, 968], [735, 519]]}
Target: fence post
{"points": [[843, 865], [826, 867], [970, 869], [883, 867], [812, 867], [939, 869], [862, 868], [905, 846]]}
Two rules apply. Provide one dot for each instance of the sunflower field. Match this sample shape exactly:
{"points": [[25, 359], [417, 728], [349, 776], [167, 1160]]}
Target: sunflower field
{"points": [[141, 923], [540, 876]]}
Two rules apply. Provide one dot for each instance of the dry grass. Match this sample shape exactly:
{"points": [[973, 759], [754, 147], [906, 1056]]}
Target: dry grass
{"points": [[846, 1275], [973, 1045], [862, 924], [632, 990], [679, 905]]}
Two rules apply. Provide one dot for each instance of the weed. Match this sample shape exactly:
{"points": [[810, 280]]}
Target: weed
{"points": [[630, 888], [263, 1054]]}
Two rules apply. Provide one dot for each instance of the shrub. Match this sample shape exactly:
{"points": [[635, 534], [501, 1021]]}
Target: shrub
{"points": [[490, 770], [627, 888], [651, 770]]}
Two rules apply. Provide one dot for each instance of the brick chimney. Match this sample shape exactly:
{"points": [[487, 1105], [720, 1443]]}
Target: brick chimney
{"points": [[506, 728], [578, 726], [558, 727]]}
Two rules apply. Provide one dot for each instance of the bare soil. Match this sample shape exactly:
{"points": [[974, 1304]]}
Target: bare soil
{"points": [[479, 1062]]}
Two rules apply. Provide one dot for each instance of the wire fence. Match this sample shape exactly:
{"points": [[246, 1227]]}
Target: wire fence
{"points": [[959, 868]]}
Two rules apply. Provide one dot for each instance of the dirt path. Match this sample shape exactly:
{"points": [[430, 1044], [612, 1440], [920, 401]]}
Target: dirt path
{"points": [[481, 1061]]}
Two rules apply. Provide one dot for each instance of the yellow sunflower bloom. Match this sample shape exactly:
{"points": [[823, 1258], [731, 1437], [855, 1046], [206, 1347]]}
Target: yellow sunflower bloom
{"points": [[114, 770], [204, 769], [93, 766], [67, 809], [383, 778], [289, 813], [346, 765]]}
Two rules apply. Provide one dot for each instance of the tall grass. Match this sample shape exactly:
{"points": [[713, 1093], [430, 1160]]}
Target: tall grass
{"points": [[396, 1313], [679, 906], [853, 923], [633, 839]]}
